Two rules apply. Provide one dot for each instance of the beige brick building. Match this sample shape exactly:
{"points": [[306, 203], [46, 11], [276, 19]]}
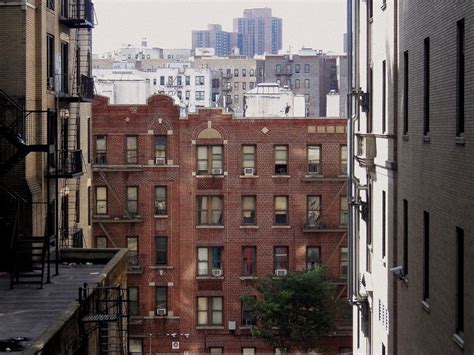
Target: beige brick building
{"points": [[46, 89]]}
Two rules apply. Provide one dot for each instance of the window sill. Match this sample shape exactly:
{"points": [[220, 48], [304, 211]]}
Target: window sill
{"points": [[209, 227], [281, 176], [246, 327], [209, 277], [249, 176], [459, 340], [161, 216], [207, 176], [160, 317], [248, 278], [281, 227], [324, 178], [426, 306], [248, 226], [198, 327], [426, 139], [459, 140], [161, 267]]}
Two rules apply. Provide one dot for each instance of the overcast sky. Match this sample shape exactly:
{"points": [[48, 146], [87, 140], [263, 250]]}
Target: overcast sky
{"points": [[319, 24]]}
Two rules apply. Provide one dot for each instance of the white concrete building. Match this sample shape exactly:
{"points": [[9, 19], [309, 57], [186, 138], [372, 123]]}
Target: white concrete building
{"points": [[271, 100], [333, 107], [121, 86]]}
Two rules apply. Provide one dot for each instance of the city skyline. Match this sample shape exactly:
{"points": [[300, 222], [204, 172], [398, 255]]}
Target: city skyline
{"points": [[305, 22]]}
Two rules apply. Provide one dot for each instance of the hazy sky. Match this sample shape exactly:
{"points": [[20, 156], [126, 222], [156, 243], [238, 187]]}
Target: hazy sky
{"points": [[168, 23]]}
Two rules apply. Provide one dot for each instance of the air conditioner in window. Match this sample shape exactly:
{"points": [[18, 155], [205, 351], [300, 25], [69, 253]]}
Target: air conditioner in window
{"points": [[281, 272], [249, 171], [216, 272], [160, 161], [161, 311], [216, 171]]}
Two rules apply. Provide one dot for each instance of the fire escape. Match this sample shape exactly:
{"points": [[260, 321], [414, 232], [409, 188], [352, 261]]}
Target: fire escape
{"points": [[26, 213], [226, 90], [75, 86]]}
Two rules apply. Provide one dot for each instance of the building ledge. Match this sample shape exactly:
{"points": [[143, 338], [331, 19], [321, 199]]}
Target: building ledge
{"points": [[245, 226], [203, 327], [281, 227], [161, 267], [248, 278], [249, 176], [246, 327], [209, 277], [220, 176], [209, 227], [281, 176], [324, 178], [161, 317], [160, 216]]}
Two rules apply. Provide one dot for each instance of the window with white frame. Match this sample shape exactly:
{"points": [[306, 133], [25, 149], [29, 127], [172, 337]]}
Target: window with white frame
{"points": [[209, 311], [209, 260], [209, 160]]}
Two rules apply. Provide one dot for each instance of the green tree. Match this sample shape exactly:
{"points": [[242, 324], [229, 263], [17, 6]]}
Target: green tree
{"points": [[295, 310]]}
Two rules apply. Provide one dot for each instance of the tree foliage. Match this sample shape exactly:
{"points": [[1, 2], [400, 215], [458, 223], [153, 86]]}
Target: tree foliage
{"points": [[295, 310]]}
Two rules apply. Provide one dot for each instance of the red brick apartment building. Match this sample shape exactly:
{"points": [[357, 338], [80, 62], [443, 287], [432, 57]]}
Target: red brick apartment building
{"points": [[208, 204]]}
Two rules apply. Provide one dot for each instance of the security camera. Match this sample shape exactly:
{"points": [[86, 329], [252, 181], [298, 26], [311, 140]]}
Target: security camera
{"points": [[398, 272]]}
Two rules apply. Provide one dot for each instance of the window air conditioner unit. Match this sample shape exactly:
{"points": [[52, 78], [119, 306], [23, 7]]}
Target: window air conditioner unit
{"points": [[160, 161], [281, 272], [216, 272], [161, 311], [216, 171], [249, 171]]}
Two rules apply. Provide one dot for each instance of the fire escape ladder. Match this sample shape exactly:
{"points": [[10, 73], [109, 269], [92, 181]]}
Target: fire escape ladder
{"points": [[107, 234]]}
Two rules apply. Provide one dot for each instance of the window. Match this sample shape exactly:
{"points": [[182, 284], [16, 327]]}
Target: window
{"points": [[278, 81], [278, 68], [161, 250], [344, 211], [314, 159], [426, 256], [343, 159], [297, 68], [136, 346], [187, 80], [131, 149], [160, 201], [280, 210], [297, 83], [101, 242], [210, 210], [306, 83], [306, 68], [249, 261], [162, 80], [313, 211], [170, 80], [244, 85], [344, 262], [187, 94], [244, 72], [405, 237], [280, 258], [236, 72], [132, 245], [160, 150], [216, 351], [179, 94], [460, 282], [161, 300], [384, 223], [252, 72], [248, 158], [252, 85], [65, 68], [281, 159], [154, 81], [199, 95], [384, 95], [101, 149], [101, 200], [247, 315], [248, 351], [179, 80], [313, 257], [132, 200], [405, 92], [236, 99], [199, 80], [209, 310], [50, 4], [209, 259], [50, 65], [133, 305], [460, 78], [426, 87], [249, 210], [306, 98], [209, 160]]}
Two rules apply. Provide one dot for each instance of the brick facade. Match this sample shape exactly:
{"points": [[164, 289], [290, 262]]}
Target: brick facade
{"points": [[180, 221]]}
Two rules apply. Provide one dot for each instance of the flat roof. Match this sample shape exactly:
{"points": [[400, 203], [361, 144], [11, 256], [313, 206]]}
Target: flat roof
{"points": [[27, 311]]}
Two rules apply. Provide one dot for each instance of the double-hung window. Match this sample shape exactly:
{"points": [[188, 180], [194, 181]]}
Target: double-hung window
{"points": [[132, 245], [101, 200], [209, 260], [210, 310], [132, 200], [101, 149], [133, 304], [313, 257], [314, 159], [344, 211], [280, 210], [249, 261], [249, 213], [281, 159], [280, 258], [343, 159], [131, 149], [160, 150], [247, 315], [160, 201], [161, 250], [209, 160], [199, 95], [344, 262], [314, 211], [209, 210], [161, 300], [248, 159]]}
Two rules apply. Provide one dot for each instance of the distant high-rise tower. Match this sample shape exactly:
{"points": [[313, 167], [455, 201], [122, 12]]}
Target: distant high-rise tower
{"points": [[214, 37], [261, 33]]}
